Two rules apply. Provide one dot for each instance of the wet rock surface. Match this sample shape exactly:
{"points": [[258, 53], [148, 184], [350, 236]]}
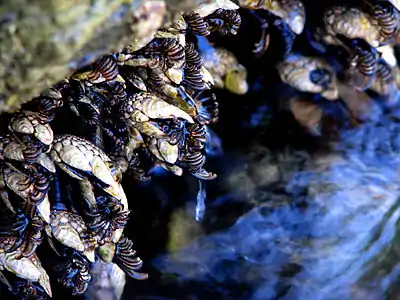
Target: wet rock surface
{"points": [[43, 41]]}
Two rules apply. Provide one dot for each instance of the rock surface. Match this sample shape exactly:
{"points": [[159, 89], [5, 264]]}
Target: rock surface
{"points": [[42, 41]]}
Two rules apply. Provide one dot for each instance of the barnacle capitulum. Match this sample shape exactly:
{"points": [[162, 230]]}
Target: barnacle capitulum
{"points": [[67, 228], [352, 23], [143, 109], [28, 268], [225, 70], [309, 74], [80, 158], [153, 107], [163, 150]]}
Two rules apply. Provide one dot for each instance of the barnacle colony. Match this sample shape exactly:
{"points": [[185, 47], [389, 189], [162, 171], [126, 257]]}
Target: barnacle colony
{"points": [[149, 105], [144, 106], [352, 60]]}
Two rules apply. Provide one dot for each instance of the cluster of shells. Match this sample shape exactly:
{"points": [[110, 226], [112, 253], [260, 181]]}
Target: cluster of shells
{"points": [[145, 106], [350, 56], [150, 105]]}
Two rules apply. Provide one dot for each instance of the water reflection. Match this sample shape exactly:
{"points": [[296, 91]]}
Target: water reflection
{"points": [[322, 226]]}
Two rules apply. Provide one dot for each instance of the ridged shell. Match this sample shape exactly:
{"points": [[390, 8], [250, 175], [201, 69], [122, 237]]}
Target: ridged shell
{"points": [[23, 267], [83, 155], [156, 108], [22, 125], [13, 150], [44, 133], [64, 232], [14, 180], [296, 71], [72, 156], [151, 129], [352, 23]]}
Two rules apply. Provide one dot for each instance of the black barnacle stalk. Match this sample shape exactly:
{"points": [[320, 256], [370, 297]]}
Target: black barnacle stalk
{"points": [[136, 166], [82, 104]]}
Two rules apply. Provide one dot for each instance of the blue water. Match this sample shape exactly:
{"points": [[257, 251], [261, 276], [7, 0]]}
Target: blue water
{"points": [[329, 233]]}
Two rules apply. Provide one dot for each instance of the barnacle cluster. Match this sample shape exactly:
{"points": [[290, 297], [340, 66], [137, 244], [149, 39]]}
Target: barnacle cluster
{"points": [[346, 52], [150, 105], [147, 105]]}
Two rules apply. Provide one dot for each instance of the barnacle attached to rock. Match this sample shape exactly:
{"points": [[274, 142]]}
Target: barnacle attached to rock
{"points": [[224, 69], [309, 74], [145, 105]]}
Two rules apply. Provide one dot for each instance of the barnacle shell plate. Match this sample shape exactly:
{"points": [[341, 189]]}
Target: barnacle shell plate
{"points": [[206, 9], [22, 125], [26, 268], [155, 108], [13, 179], [82, 155], [46, 162], [163, 150], [44, 209], [28, 125], [64, 232], [13, 151], [44, 133]]}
